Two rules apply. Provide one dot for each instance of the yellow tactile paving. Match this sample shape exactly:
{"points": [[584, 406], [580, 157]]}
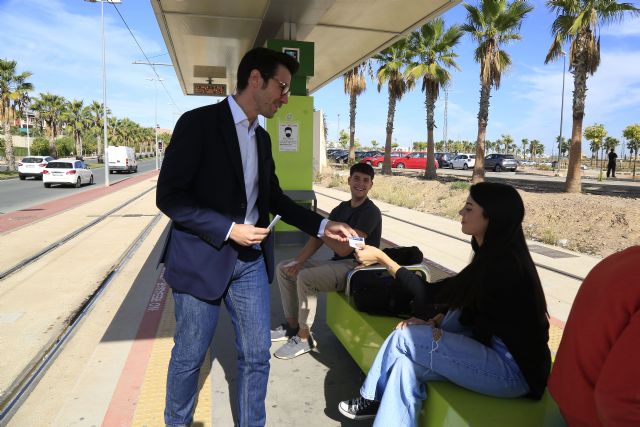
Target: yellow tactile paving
{"points": [[555, 334], [150, 407]]}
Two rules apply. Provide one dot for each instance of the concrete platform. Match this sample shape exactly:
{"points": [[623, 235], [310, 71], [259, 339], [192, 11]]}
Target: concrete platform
{"points": [[112, 372]]}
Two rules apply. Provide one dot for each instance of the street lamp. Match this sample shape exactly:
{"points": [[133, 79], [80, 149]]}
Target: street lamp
{"points": [[564, 63], [155, 83], [104, 88]]}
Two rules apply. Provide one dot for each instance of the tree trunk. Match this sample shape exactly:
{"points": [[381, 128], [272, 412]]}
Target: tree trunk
{"points": [[573, 181], [430, 104], [8, 139], [386, 163], [483, 119], [53, 150], [352, 128]]}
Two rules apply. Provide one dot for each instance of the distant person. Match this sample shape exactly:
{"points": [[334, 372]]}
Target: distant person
{"points": [[219, 247], [611, 166], [300, 279], [596, 375], [493, 339]]}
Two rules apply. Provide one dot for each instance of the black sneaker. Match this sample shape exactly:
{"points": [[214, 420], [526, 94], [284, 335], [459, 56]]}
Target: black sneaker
{"points": [[359, 408], [283, 333]]}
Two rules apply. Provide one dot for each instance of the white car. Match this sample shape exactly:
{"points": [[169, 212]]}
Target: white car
{"points": [[463, 161], [32, 166], [67, 172]]}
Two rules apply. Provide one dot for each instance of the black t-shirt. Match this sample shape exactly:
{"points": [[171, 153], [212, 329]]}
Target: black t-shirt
{"points": [[366, 218], [612, 157]]}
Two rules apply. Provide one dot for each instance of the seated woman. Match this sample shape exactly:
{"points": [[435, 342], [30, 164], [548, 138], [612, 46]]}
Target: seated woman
{"points": [[492, 340]]}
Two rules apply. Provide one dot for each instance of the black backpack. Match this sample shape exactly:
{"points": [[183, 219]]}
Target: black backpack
{"points": [[374, 291]]}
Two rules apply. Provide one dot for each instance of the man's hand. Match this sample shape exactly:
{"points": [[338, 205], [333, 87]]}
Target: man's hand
{"points": [[339, 231], [247, 234]]}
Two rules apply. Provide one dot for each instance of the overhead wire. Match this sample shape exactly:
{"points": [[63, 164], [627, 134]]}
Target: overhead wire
{"points": [[161, 81]]}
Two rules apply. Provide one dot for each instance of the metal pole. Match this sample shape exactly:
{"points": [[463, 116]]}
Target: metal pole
{"points": [[564, 62], [104, 100], [155, 89], [28, 145]]}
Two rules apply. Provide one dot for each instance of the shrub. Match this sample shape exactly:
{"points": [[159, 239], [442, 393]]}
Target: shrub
{"points": [[65, 146], [40, 146]]}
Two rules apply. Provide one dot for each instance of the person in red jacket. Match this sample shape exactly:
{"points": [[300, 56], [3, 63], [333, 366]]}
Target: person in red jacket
{"points": [[596, 375]]}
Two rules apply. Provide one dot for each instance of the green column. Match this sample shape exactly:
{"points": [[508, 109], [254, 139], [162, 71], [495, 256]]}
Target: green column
{"points": [[291, 129]]}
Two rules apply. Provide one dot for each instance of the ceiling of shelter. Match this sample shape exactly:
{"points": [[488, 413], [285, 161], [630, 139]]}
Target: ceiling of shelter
{"points": [[207, 38]]}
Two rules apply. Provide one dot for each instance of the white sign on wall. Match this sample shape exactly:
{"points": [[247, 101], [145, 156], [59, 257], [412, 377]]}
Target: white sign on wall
{"points": [[288, 136]]}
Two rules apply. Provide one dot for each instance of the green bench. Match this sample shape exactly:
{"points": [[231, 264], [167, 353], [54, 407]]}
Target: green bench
{"points": [[447, 405]]}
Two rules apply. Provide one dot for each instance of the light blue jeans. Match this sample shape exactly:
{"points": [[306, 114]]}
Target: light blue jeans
{"points": [[410, 357], [247, 301]]}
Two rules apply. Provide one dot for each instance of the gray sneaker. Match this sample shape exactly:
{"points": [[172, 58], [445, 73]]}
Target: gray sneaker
{"points": [[294, 348], [283, 332]]}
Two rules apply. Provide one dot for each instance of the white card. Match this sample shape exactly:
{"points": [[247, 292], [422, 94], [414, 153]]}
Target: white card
{"points": [[274, 222], [356, 242]]}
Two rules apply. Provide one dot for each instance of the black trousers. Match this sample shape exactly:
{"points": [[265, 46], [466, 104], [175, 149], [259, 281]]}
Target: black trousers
{"points": [[611, 169]]}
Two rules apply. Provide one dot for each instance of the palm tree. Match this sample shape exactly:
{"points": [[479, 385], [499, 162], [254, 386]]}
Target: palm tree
{"points": [[13, 90], [578, 22], [355, 83], [391, 62], [525, 143], [78, 121], [96, 127], [493, 24], [432, 46], [632, 135], [50, 108]]}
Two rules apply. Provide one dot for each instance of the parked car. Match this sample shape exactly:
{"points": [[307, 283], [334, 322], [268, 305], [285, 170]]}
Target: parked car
{"points": [[67, 172], [499, 162], [416, 160], [337, 153], [444, 159], [376, 162], [463, 161], [32, 166], [344, 158]]}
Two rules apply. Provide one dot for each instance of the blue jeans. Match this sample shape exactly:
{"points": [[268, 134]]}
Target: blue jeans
{"points": [[410, 357], [247, 300]]}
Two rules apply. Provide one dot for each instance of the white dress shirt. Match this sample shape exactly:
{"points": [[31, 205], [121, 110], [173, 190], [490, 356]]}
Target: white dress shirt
{"points": [[249, 152]]}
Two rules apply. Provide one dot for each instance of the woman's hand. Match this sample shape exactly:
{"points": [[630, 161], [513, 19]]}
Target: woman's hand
{"points": [[367, 255], [412, 321]]}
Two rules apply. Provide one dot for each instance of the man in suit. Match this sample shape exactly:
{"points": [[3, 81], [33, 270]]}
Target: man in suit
{"points": [[218, 186]]}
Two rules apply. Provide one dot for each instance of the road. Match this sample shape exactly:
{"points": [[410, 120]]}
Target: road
{"points": [[16, 194]]}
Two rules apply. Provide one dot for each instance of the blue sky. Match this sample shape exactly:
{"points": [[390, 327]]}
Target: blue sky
{"points": [[60, 43]]}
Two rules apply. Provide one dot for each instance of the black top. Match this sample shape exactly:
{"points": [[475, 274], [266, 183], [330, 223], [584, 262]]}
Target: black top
{"points": [[505, 310], [612, 157], [366, 218]]}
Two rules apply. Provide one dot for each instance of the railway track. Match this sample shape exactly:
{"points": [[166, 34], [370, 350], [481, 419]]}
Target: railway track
{"points": [[15, 389]]}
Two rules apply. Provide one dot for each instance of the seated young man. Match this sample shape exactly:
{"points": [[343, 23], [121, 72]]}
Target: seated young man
{"points": [[300, 279]]}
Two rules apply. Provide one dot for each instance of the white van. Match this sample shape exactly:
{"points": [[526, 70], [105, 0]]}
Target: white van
{"points": [[121, 159]]}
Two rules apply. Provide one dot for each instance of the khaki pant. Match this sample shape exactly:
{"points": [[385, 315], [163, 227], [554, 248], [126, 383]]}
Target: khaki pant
{"points": [[300, 295]]}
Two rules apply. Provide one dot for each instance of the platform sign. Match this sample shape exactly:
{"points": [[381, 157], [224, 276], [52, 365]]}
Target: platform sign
{"points": [[210, 89]]}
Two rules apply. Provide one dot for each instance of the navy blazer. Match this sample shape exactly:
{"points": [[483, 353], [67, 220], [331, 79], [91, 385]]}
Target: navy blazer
{"points": [[201, 189]]}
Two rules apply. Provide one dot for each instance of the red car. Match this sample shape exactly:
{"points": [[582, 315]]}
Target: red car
{"points": [[416, 160], [376, 161]]}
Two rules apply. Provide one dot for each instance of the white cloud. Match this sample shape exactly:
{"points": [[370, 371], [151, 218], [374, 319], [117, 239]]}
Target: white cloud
{"points": [[628, 27], [62, 48]]}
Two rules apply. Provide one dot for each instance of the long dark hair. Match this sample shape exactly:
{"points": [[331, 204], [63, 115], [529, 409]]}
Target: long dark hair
{"points": [[503, 241]]}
